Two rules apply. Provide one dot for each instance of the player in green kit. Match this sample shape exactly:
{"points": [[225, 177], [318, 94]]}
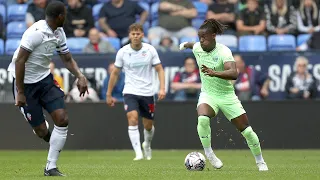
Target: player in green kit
{"points": [[218, 69]]}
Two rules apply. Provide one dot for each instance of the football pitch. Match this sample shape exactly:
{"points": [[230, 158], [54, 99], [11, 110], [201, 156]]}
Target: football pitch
{"points": [[166, 164]]}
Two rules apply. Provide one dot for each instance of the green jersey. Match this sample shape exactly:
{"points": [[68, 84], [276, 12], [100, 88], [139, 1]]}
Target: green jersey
{"points": [[214, 60]]}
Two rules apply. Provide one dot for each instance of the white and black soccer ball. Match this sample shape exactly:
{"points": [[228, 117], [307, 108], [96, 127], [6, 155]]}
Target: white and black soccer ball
{"points": [[195, 161]]}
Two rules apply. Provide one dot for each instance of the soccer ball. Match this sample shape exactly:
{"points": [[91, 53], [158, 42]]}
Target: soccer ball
{"points": [[195, 161]]}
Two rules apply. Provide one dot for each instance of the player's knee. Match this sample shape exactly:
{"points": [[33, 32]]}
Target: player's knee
{"points": [[203, 121], [148, 126], [133, 122], [62, 120], [41, 132]]}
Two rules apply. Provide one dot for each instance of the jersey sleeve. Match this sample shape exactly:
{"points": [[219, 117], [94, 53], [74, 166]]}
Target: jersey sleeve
{"points": [[119, 59], [62, 47], [155, 57], [227, 55], [31, 39]]}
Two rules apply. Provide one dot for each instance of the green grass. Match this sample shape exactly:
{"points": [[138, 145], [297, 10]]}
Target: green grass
{"points": [[118, 165]]}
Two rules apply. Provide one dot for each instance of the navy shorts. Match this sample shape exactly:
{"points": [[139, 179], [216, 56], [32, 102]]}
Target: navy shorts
{"points": [[43, 94], [145, 105]]}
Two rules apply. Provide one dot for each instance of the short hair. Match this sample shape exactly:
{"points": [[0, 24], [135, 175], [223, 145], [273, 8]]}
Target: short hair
{"points": [[135, 27], [213, 26], [54, 9]]}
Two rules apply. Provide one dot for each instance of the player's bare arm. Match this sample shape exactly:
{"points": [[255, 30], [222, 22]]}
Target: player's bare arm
{"points": [[112, 82], [20, 70], [230, 71], [160, 71], [186, 45], [72, 66]]}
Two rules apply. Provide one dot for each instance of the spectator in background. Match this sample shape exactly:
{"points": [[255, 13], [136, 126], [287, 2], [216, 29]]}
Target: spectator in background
{"points": [[10, 2], [251, 20], [79, 19], [301, 84], [208, 2], [308, 17], [175, 18], [224, 12], [97, 45], [167, 45], [281, 18], [117, 15], [118, 88], [36, 11], [58, 79], [251, 83], [73, 95], [186, 84], [312, 44]]}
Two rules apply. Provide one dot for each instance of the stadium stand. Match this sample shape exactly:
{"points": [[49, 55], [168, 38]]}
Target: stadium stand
{"points": [[252, 43], [16, 29], [17, 12], [284, 42], [11, 45]]}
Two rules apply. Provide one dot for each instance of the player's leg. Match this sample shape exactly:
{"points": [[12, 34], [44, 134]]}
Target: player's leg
{"points": [[131, 106], [242, 124], [234, 111], [147, 109], [207, 109]]}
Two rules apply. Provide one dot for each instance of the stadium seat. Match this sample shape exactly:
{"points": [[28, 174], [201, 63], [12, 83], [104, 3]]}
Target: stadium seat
{"points": [[196, 23], [252, 43], [76, 45], [17, 12], [230, 41], [284, 42], [189, 39], [3, 2], [16, 29], [1, 47], [11, 46], [96, 11], [154, 11], [115, 42], [3, 12], [126, 39], [303, 38], [202, 9]]}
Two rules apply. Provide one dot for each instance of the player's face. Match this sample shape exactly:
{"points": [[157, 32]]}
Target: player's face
{"points": [[207, 39], [61, 18], [136, 36]]}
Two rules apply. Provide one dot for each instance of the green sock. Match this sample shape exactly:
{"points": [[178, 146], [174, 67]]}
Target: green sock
{"points": [[252, 141], [204, 131]]}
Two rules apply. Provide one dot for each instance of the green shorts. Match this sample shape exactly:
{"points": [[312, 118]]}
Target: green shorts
{"points": [[229, 104]]}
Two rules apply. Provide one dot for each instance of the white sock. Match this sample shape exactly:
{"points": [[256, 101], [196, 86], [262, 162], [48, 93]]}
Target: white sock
{"points": [[57, 141], [208, 151], [148, 135], [134, 135], [259, 158]]}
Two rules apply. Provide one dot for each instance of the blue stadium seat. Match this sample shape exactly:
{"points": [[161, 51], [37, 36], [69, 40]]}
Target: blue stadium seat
{"points": [[16, 29], [303, 38], [284, 42], [11, 46], [189, 39], [196, 23], [1, 47], [115, 42], [202, 9], [230, 41], [154, 11], [96, 11], [252, 43], [76, 45], [17, 12], [3, 12]]}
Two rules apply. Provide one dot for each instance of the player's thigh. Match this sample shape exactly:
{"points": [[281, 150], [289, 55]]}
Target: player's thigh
{"points": [[231, 107], [147, 107], [131, 107], [241, 122], [32, 112], [207, 106]]}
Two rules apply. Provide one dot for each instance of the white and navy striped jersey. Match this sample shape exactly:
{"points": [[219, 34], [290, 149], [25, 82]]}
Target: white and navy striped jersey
{"points": [[41, 41], [137, 66]]}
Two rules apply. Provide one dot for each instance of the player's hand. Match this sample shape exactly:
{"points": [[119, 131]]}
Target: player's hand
{"points": [[112, 33], [110, 101], [21, 100], [207, 71], [181, 46], [161, 94], [264, 92], [82, 85]]}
